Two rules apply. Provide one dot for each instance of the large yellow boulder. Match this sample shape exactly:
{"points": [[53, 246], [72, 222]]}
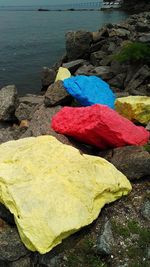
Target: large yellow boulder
{"points": [[63, 73], [135, 108], [53, 190]]}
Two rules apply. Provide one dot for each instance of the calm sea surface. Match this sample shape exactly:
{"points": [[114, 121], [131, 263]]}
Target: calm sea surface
{"points": [[30, 40]]}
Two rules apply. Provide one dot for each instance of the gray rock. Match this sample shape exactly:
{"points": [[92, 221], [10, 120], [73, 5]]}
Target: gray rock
{"points": [[133, 161], [11, 247], [78, 44], [148, 126], [97, 46], [5, 135], [104, 72], [56, 95], [86, 70], [145, 210], [24, 112], [145, 38], [27, 105], [96, 57], [118, 81], [31, 99], [50, 260], [72, 66], [140, 76], [22, 262], [119, 32], [105, 241], [143, 26], [47, 77], [41, 123], [8, 102]]}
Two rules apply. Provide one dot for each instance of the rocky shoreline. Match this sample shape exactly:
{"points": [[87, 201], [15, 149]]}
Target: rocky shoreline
{"points": [[120, 236]]}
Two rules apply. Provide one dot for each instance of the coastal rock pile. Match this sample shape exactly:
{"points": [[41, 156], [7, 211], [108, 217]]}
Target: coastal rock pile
{"points": [[120, 236]]}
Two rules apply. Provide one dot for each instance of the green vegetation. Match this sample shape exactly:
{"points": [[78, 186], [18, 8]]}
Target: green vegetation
{"points": [[84, 256], [134, 52]]}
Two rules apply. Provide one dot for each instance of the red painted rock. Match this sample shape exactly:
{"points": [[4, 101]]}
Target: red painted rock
{"points": [[100, 126]]}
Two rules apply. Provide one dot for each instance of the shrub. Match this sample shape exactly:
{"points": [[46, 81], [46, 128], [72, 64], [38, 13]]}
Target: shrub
{"points": [[134, 52]]}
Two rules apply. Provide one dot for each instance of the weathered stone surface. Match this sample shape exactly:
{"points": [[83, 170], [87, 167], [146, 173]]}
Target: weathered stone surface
{"points": [[47, 77], [78, 44], [27, 105], [135, 108], [56, 95], [72, 66], [133, 161], [140, 76], [145, 210], [22, 262], [104, 72], [145, 38], [96, 57], [8, 102], [5, 135], [118, 81], [86, 70], [106, 240], [143, 26], [119, 32], [41, 124], [11, 133], [97, 46], [31, 99], [11, 247], [24, 112]]}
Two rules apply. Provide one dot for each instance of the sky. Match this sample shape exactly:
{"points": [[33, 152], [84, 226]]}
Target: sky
{"points": [[38, 2]]}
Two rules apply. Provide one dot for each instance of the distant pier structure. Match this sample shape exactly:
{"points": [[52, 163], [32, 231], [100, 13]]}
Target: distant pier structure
{"points": [[111, 4]]}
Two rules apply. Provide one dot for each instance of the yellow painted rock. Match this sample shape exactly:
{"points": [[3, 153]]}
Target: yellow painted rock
{"points": [[53, 190], [63, 73], [135, 108]]}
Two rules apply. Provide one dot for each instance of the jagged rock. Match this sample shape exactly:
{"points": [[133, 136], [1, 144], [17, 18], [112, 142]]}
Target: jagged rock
{"points": [[133, 161], [5, 135], [72, 66], [85, 70], [31, 99], [22, 262], [105, 241], [145, 210], [56, 95], [47, 77], [78, 44], [41, 124], [104, 72], [118, 81], [119, 32], [8, 102], [11, 247], [27, 105], [24, 112], [49, 260], [135, 108], [140, 76], [143, 26], [96, 57], [97, 46], [145, 38]]}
